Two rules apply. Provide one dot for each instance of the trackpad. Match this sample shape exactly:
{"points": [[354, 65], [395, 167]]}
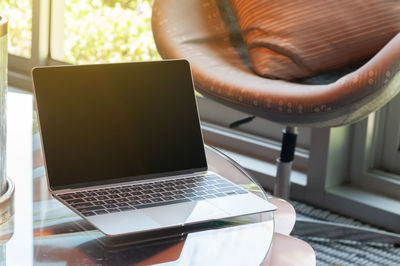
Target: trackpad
{"points": [[184, 213], [238, 205]]}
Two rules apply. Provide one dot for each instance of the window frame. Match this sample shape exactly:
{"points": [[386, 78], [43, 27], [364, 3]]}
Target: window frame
{"points": [[372, 144], [389, 138]]}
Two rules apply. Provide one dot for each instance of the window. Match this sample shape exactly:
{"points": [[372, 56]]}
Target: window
{"points": [[20, 26]]}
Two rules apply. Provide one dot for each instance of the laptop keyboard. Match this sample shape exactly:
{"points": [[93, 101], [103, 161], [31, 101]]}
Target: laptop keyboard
{"points": [[131, 197]]}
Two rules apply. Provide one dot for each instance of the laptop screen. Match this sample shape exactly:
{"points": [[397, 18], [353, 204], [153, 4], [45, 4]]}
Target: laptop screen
{"points": [[118, 122]]}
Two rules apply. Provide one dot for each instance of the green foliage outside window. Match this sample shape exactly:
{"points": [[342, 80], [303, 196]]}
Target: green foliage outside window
{"points": [[108, 31], [19, 13]]}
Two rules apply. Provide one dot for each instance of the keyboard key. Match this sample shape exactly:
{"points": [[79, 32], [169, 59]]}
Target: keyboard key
{"points": [[98, 203], [209, 196], [122, 204], [66, 197], [103, 197], [211, 191], [156, 200], [145, 201], [133, 198], [87, 214], [241, 191], [223, 185], [122, 200], [101, 212], [82, 205], [220, 195], [87, 209], [126, 208], [200, 193], [212, 177], [114, 196], [75, 201], [110, 206], [90, 199], [178, 197], [201, 183], [168, 184], [110, 201], [197, 198], [208, 187], [191, 186], [167, 198], [113, 210], [226, 189], [135, 202]]}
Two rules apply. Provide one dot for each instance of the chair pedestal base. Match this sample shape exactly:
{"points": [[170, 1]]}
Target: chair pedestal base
{"points": [[282, 182], [284, 163]]}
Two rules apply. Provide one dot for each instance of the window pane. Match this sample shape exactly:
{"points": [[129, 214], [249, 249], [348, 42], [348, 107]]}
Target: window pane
{"points": [[19, 13], [94, 31]]}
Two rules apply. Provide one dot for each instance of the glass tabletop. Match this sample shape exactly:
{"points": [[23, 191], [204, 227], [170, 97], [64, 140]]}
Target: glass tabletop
{"points": [[43, 231]]}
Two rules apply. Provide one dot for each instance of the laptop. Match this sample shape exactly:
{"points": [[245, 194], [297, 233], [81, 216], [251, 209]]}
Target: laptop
{"points": [[123, 147]]}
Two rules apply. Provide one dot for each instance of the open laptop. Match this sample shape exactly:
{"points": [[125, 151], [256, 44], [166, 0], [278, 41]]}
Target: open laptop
{"points": [[123, 147]]}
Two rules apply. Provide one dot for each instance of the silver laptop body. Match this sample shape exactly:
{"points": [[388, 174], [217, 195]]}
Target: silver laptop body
{"points": [[123, 148]]}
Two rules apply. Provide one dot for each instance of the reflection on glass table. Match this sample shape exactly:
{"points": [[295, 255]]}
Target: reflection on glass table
{"points": [[43, 230]]}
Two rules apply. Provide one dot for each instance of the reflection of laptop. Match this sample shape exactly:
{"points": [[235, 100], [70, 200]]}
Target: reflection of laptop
{"points": [[123, 147]]}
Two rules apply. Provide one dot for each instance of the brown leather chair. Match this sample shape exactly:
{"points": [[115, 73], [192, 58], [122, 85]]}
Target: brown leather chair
{"points": [[205, 33]]}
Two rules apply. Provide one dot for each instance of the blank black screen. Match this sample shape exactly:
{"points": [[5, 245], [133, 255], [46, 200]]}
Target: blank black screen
{"points": [[105, 122]]}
